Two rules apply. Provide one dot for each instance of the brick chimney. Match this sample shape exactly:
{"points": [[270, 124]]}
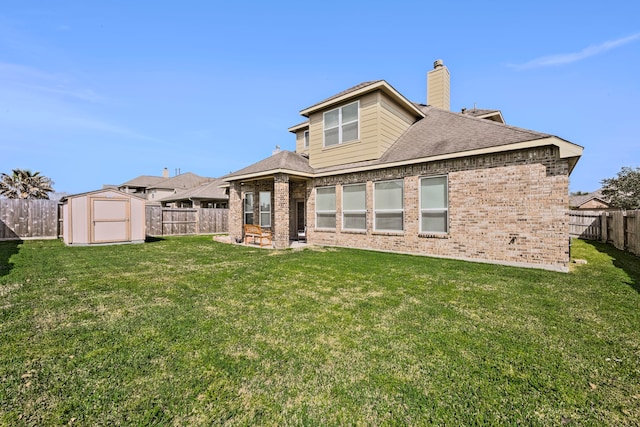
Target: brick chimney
{"points": [[438, 87]]}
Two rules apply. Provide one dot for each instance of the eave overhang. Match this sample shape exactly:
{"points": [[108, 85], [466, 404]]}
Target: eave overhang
{"points": [[567, 150], [379, 85]]}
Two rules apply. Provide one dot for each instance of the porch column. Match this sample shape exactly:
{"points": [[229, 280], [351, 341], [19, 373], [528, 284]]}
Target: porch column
{"points": [[236, 210], [281, 211]]}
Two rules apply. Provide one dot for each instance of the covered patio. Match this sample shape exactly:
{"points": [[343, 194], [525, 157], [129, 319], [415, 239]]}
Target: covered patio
{"points": [[273, 194]]}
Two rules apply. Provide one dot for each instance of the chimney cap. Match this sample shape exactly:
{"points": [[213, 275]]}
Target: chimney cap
{"points": [[438, 63]]}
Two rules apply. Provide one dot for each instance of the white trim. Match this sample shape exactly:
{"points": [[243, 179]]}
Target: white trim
{"points": [[244, 207], [260, 212], [360, 211], [375, 211], [334, 211], [305, 139], [421, 210], [381, 85], [567, 150]]}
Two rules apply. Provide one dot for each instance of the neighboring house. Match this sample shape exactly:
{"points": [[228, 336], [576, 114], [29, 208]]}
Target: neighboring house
{"points": [[140, 185], [592, 201], [171, 186], [165, 189], [374, 170], [207, 195]]}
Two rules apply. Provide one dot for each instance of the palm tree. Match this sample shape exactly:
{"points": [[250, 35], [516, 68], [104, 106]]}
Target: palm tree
{"points": [[24, 184]]}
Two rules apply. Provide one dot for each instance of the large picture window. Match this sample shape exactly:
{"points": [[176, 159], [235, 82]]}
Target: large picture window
{"points": [[434, 205], [354, 208], [341, 125], [265, 209], [388, 201], [248, 208], [326, 207]]}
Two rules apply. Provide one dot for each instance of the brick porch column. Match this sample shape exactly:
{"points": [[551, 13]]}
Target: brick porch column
{"points": [[236, 210], [281, 211]]}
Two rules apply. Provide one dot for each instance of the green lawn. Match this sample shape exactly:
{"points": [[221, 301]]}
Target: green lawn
{"points": [[187, 331]]}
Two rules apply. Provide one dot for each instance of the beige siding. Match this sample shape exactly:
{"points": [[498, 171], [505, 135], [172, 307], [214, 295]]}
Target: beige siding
{"points": [[365, 148], [300, 148], [382, 121], [438, 88], [394, 121]]}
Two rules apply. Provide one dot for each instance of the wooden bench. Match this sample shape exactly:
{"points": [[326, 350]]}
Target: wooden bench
{"points": [[255, 231]]}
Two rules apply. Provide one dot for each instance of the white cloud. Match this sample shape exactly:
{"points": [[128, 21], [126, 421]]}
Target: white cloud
{"points": [[568, 58], [34, 100]]}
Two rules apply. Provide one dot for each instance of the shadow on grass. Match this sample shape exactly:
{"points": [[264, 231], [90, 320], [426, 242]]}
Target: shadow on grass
{"points": [[7, 249], [153, 239], [629, 263]]}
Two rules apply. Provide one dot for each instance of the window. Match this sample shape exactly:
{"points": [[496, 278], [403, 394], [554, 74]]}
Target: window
{"points": [[326, 207], [354, 207], [341, 124], [389, 205], [306, 139], [248, 208], [265, 209], [434, 205]]}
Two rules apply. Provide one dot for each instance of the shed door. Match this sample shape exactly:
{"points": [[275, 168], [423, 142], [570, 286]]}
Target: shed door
{"points": [[110, 219]]}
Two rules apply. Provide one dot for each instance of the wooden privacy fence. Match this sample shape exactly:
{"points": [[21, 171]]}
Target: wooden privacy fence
{"points": [[29, 219], [619, 228], [180, 221], [585, 224], [622, 230], [42, 219]]}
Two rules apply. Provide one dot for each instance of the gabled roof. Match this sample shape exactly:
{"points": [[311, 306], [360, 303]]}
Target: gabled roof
{"points": [[143, 181], [110, 191], [444, 132], [437, 134], [358, 91], [282, 162], [495, 115], [210, 190], [577, 201], [183, 181]]}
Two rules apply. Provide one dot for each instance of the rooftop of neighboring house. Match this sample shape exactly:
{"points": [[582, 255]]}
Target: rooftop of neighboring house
{"points": [[206, 191], [577, 201], [182, 181], [142, 181]]}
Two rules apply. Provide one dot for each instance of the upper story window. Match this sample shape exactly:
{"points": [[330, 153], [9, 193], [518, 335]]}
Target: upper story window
{"points": [[306, 139], [341, 124]]}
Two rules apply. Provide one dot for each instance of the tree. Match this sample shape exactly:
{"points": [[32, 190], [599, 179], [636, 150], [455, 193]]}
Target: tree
{"points": [[24, 184], [623, 191]]}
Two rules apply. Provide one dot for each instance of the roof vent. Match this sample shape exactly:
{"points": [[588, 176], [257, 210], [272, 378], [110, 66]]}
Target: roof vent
{"points": [[276, 151]]}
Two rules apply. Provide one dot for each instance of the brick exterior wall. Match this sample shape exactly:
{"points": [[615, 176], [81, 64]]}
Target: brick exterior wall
{"points": [[508, 208]]}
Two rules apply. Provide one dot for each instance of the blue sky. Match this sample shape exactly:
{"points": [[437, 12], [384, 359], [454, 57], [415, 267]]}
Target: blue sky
{"points": [[99, 92]]}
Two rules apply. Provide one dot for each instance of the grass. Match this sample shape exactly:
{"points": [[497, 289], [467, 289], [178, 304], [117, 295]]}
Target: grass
{"points": [[186, 331]]}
